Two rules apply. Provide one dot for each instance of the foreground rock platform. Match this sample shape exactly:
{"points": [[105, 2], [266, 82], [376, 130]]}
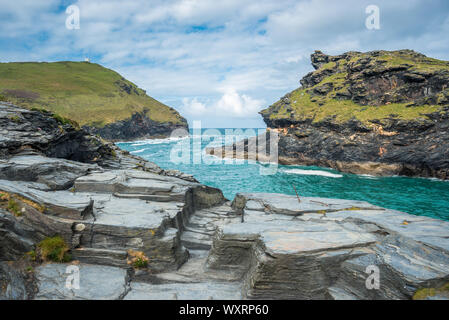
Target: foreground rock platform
{"points": [[324, 253], [198, 244]]}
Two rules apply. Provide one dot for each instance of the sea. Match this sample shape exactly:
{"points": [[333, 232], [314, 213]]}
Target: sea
{"points": [[417, 196]]}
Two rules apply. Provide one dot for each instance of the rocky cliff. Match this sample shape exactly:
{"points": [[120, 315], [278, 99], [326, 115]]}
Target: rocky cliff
{"points": [[380, 113], [99, 99], [68, 201]]}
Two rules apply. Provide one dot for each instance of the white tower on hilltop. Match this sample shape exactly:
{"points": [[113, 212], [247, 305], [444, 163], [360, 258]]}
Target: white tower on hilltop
{"points": [[87, 60]]}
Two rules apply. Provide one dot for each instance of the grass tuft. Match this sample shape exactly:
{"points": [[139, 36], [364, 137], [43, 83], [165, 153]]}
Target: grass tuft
{"points": [[302, 108], [54, 249], [137, 259], [13, 207], [424, 293]]}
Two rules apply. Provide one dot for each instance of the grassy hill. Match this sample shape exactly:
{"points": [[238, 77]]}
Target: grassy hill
{"points": [[85, 92], [366, 86]]}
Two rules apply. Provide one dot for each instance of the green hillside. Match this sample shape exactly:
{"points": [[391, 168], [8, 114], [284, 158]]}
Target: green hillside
{"points": [[85, 92]]}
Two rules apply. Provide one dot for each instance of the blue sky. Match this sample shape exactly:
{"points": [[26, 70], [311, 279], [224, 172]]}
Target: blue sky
{"points": [[217, 61]]}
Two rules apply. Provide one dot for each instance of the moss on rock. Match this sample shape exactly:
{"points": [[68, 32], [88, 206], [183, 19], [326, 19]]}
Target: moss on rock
{"points": [[54, 249]]}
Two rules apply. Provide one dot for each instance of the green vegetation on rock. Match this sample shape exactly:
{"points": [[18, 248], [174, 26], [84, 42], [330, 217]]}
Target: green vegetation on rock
{"points": [[425, 293], [137, 259], [417, 62], [54, 249], [84, 92], [303, 107], [367, 87], [13, 207]]}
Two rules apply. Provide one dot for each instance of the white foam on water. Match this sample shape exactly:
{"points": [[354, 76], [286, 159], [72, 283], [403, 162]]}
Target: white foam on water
{"points": [[138, 151], [313, 173], [368, 176], [157, 141]]}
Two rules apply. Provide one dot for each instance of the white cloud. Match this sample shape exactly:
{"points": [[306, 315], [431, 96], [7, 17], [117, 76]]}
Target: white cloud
{"points": [[194, 107], [231, 104]]}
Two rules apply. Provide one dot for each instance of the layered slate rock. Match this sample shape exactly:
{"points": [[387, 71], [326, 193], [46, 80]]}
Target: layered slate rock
{"points": [[14, 284], [139, 126], [40, 133], [107, 213], [323, 249], [57, 174], [95, 282], [22, 129], [102, 208]]}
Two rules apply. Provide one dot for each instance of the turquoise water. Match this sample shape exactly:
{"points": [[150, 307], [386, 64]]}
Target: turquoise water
{"points": [[427, 197]]}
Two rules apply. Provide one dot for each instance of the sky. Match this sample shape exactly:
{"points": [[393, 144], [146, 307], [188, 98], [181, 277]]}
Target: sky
{"points": [[220, 62]]}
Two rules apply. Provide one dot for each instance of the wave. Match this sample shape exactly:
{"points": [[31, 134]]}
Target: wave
{"points": [[139, 151], [157, 141], [368, 176], [220, 140], [313, 173]]}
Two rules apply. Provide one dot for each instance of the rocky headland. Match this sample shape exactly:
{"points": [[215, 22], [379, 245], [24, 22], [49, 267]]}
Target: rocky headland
{"points": [[377, 113], [135, 231], [98, 99]]}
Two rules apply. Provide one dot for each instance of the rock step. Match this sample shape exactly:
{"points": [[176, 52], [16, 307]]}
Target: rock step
{"points": [[147, 197], [196, 241], [96, 282], [200, 229], [107, 257], [195, 271], [184, 291], [63, 203]]}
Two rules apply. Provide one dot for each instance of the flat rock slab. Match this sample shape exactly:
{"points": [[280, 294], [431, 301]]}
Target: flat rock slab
{"points": [[295, 237], [57, 174], [295, 249], [289, 205], [59, 203], [96, 282], [132, 213], [432, 232], [279, 207], [185, 291], [133, 182]]}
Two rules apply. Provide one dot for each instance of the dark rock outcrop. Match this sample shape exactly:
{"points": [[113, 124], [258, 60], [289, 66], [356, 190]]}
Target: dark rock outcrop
{"points": [[380, 113], [45, 133], [139, 126]]}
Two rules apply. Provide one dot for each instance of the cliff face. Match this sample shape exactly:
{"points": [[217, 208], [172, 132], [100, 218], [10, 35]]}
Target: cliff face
{"points": [[380, 112], [49, 134], [97, 98], [139, 126]]}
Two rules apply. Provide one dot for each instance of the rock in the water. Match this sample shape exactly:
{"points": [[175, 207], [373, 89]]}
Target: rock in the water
{"points": [[379, 113]]}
